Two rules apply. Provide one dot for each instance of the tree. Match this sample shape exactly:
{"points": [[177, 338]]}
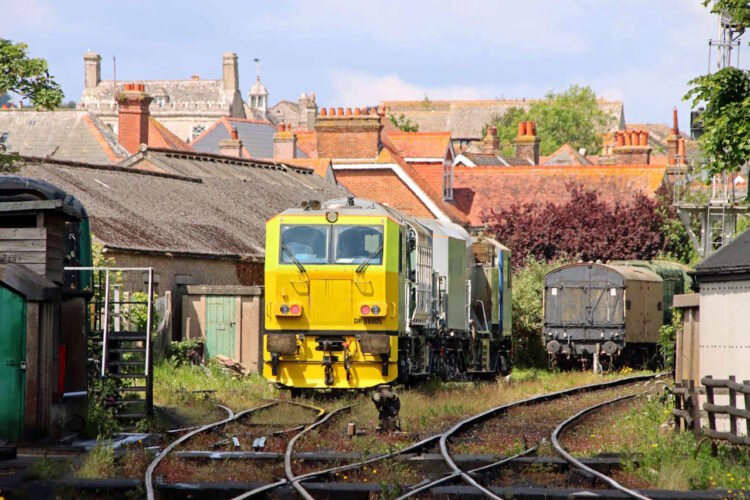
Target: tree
{"points": [[726, 118], [571, 117], [737, 10], [29, 78], [584, 227], [403, 123]]}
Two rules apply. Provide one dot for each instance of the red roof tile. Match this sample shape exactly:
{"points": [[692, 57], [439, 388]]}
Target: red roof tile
{"points": [[160, 137], [420, 144], [478, 190]]}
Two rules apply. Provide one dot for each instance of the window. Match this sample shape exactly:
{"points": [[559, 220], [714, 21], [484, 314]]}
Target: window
{"points": [[356, 244], [308, 244], [447, 179], [198, 130], [324, 244]]}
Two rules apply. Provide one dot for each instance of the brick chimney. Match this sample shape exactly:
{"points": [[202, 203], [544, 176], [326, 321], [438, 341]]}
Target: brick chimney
{"points": [[133, 116], [491, 142], [632, 148], [231, 146], [673, 141], [92, 63], [284, 143], [527, 142], [348, 134]]}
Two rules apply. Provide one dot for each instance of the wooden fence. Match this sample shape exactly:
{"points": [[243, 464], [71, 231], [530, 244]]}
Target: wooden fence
{"points": [[731, 410]]}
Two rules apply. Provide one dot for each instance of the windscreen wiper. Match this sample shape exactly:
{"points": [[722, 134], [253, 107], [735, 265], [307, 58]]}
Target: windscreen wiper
{"points": [[369, 258], [291, 255]]}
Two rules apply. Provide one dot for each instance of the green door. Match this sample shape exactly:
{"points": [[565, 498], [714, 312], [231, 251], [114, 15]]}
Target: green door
{"points": [[12, 355], [220, 323]]}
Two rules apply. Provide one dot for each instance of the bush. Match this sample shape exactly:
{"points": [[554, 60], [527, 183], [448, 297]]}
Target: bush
{"points": [[528, 316], [186, 351], [667, 338], [99, 463]]}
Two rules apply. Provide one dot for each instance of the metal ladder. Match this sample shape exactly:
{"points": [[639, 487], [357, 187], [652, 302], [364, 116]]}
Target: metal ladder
{"points": [[119, 329]]}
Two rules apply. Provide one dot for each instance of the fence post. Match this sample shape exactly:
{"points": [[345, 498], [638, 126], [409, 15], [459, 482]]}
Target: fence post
{"points": [[711, 416], [678, 399], [733, 404], [693, 398]]}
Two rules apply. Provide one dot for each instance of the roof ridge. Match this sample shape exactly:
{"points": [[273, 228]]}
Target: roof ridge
{"points": [[111, 168], [213, 156]]}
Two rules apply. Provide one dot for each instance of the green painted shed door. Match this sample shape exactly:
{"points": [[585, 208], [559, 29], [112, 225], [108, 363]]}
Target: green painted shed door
{"points": [[12, 354], [220, 325]]}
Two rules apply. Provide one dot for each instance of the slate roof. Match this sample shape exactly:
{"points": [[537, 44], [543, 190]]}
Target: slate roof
{"points": [[420, 144], [490, 160], [193, 97], [256, 137], [478, 190], [732, 258], [566, 155], [198, 204], [61, 134], [465, 119]]}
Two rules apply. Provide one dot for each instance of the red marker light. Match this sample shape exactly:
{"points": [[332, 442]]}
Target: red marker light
{"points": [[365, 310], [295, 309]]}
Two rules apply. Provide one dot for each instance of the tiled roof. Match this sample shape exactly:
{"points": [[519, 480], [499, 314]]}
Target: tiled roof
{"points": [[198, 204], [420, 144], [489, 160], [62, 134], [307, 142], [478, 190], [566, 155], [160, 136], [319, 165], [465, 119], [256, 137]]}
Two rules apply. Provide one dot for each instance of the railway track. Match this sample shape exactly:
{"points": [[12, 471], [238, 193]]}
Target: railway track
{"points": [[438, 440]]}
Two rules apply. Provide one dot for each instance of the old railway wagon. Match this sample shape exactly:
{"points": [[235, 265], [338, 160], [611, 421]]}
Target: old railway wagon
{"points": [[359, 294], [614, 310]]}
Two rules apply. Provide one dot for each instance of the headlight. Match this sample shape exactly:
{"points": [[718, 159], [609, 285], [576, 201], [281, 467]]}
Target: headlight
{"points": [[284, 309], [375, 309]]}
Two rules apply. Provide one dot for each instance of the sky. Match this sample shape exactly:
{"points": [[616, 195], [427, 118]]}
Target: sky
{"points": [[356, 53]]}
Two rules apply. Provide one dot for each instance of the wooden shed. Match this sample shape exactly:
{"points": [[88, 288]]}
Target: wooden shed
{"points": [[229, 319], [42, 342]]}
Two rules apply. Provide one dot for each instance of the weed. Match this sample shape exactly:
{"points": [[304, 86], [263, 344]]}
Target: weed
{"points": [[47, 468], [98, 464]]}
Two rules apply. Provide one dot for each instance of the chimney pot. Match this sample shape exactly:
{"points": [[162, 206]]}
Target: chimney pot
{"points": [[628, 138], [681, 150], [620, 138], [521, 129], [644, 138], [233, 134], [675, 124], [195, 77], [332, 112], [280, 127], [348, 111], [340, 112], [532, 128], [357, 111], [323, 112]]}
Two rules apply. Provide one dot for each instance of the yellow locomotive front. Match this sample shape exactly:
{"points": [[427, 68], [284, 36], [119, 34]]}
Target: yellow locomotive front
{"points": [[333, 291]]}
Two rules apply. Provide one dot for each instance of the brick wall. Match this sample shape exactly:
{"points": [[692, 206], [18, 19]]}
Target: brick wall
{"points": [[348, 135], [382, 186], [132, 122]]}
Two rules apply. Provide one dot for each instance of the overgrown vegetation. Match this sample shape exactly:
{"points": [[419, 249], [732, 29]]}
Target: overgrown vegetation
{"points": [[667, 338], [188, 351], [98, 464], [528, 317], [570, 117], [668, 459], [47, 469]]}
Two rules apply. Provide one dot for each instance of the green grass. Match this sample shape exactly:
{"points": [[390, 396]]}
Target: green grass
{"points": [[98, 464], [47, 469], [666, 458]]}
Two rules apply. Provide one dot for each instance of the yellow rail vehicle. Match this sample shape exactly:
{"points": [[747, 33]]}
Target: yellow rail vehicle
{"points": [[353, 300]]}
